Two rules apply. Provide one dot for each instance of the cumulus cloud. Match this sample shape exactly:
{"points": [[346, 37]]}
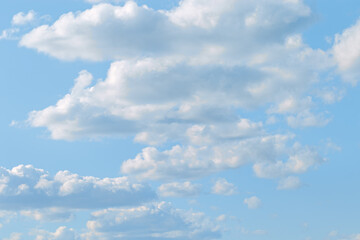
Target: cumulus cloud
{"points": [[183, 76], [298, 162], [346, 52], [264, 152], [184, 29], [179, 189], [155, 221], [62, 233], [26, 187], [308, 119], [176, 87], [252, 202], [223, 187], [23, 18]]}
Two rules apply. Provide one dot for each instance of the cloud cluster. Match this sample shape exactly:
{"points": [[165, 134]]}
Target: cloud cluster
{"points": [[25, 187], [156, 221], [272, 157], [183, 76]]}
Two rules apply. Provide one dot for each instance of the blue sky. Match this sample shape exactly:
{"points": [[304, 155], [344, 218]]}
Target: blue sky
{"points": [[216, 119]]}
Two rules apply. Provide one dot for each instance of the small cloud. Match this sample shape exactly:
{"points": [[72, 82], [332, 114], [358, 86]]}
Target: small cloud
{"points": [[289, 183], [223, 187], [22, 18], [176, 189], [9, 34], [252, 202], [332, 146]]}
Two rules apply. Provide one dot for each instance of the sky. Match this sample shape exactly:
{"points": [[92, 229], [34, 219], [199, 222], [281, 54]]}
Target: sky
{"points": [[185, 120]]}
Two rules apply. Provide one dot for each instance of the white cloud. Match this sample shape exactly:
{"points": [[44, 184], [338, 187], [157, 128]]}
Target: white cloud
{"points": [[62, 233], [299, 162], [298, 111], [25, 187], [182, 76], [156, 221], [346, 52], [187, 29], [290, 182], [265, 152], [292, 105], [252, 202], [223, 187], [202, 82], [9, 34], [22, 18], [176, 189], [308, 119]]}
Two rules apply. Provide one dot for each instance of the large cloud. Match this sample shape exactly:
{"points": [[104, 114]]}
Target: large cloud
{"points": [[25, 187], [156, 221], [271, 156], [117, 32], [205, 60], [184, 77]]}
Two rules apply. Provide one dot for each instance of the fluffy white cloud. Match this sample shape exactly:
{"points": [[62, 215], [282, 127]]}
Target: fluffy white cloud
{"points": [[265, 152], [117, 32], [252, 202], [298, 162], [156, 221], [346, 51], [22, 18], [183, 76], [223, 187], [25, 187], [178, 189], [62, 233], [290, 182]]}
